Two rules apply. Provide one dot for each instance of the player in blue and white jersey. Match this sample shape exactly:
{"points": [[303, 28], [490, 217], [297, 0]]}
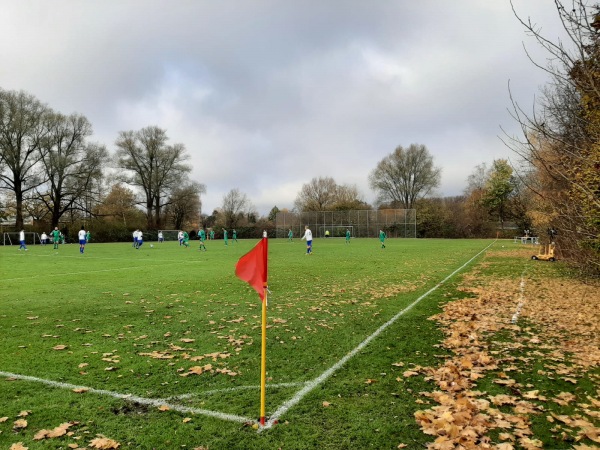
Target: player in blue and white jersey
{"points": [[82, 240]]}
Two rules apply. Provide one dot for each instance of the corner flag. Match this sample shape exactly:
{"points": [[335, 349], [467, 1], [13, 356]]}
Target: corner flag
{"points": [[252, 267]]}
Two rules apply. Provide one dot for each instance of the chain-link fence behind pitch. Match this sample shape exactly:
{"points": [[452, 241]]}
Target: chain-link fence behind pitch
{"points": [[364, 223]]}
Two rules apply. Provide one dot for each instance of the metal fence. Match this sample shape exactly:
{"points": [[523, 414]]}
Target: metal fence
{"points": [[363, 223]]}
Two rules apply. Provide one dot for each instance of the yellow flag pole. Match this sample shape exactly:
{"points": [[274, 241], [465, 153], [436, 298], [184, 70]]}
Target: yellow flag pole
{"points": [[263, 361]]}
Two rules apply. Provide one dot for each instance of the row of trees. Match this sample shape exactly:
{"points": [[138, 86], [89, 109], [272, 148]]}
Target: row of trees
{"points": [[52, 169], [494, 199], [400, 179], [493, 202], [46, 156]]}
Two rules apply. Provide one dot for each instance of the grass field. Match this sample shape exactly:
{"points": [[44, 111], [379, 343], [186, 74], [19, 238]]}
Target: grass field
{"points": [[160, 347]]}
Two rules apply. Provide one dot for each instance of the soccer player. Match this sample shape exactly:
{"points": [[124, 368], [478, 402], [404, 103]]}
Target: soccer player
{"points": [[212, 235], [140, 239], [88, 236], [225, 236], [308, 237], [44, 238], [135, 238], [202, 234], [290, 235], [180, 237], [161, 238], [234, 237], [55, 237], [382, 238], [185, 239], [81, 236], [347, 235], [22, 240]]}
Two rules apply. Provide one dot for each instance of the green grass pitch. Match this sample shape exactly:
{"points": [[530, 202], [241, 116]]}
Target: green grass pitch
{"points": [[134, 322]]}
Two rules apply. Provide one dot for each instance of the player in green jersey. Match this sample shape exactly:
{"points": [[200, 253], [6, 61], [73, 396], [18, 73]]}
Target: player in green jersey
{"points": [[202, 234], [382, 238], [55, 237]]}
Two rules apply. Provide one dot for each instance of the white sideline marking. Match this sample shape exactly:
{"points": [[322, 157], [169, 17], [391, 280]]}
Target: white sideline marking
{"points": [[517, 313], [155, 402], [310, 385], [92, 256]]}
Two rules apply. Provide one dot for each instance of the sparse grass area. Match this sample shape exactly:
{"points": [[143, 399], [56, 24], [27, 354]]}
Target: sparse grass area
{"points": [[136, 321]]}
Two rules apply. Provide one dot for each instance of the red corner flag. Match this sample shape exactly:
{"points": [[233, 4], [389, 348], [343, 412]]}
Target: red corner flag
{"points": [[252, 267]]}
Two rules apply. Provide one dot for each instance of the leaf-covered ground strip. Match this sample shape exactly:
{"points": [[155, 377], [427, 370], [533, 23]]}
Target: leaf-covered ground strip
{"points": [[175, 326], [523, 368]]}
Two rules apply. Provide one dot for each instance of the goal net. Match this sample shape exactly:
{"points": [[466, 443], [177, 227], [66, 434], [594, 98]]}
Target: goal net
{"points": [[168, 235], [12, 238], [335, 231]]}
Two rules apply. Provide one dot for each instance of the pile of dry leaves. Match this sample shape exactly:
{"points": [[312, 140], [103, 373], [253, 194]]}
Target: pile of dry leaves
{"points": [[508, 327]]}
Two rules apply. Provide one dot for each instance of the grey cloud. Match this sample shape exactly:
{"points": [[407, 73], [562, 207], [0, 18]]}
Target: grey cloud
{"points": [[267, 94]]}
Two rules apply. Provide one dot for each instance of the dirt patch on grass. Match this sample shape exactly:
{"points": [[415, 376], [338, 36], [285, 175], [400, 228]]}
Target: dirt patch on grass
{"points": [[130, 408]]}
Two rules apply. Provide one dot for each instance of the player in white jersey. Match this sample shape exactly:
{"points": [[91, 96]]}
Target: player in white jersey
{"points": [[308, 236], [82, 240]]}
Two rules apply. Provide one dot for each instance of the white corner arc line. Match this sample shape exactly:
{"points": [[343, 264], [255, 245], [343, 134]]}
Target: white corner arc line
{"points": [[285, 407], [154, 402], [234, 389], [116, 269]]}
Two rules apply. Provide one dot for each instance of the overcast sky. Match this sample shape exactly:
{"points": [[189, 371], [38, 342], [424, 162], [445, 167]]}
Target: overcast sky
{"points": [[267, 94]]}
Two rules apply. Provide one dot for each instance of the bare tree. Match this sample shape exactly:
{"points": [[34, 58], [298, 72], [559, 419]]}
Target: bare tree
{"points": [[22, 127], [236, 206], [478, 224], [152, 165], [405, 175], [317, 195], [324, 194], [347, 197], [560, 138], [477, 179], [185, 204], [72, 167]]}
